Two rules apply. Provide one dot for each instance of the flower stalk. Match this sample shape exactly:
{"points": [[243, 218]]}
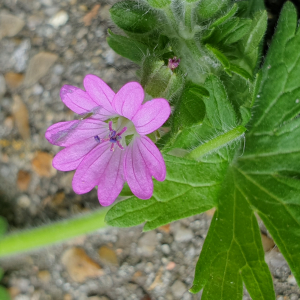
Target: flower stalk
{"points": [[53, 233]]}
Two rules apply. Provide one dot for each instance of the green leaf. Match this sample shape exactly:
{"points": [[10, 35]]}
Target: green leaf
{"points": [[220, 57], [159, 3], [279, 98], [190, 108], [4, 295], [232, 252], [257, 31], [240, 30], [263, 179], [126, 47], [227, 16], [190, 188], [209, 8], [133, 17]]}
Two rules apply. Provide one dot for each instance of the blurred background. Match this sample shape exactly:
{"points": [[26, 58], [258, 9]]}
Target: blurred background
{"points": [[45, 44]]}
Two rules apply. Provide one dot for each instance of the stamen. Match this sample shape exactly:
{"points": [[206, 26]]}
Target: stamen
{"points": [[112, 147], [97, 139], [122, 131], [120, 146]]}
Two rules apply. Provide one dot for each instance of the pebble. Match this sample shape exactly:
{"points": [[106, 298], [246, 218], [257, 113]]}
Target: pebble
{"points": [[60, 19], [24, 201], [267, 243], [42, 164], [2, 86], [23, 180], [38, 67], [178, 289], [147, 243], [108, 255], [79, 265], [294, 297], [21, 117], [10, 25], [165, 248], [292, 280], [183, 234], [20, 56], [13, 80]]}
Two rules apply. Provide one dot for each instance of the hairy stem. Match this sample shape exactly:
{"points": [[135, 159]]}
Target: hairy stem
{"points": [[216, 143], [52, 233]]}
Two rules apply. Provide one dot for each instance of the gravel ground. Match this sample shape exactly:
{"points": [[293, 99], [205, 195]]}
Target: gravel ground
{"points": [[52, 43]]}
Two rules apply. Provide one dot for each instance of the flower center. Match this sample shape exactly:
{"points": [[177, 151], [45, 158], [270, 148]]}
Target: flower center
{"points": [[113, 137]]}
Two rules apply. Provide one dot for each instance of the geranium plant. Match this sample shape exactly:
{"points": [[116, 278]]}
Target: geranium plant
{"points": [[231, 142]]}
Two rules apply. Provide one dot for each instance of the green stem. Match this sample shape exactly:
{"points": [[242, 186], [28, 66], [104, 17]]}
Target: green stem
{"points": [[216, 143], [52, 233]]}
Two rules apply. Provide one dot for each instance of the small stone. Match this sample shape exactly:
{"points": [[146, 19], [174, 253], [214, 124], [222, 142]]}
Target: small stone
{"points": [[14, 291], [292, 280], [170, 266], [60, 19], [13, 80], [23, 180], [24, 201], [294, 297], [38, 67], [20, 56], [58, 199], [267, 243], [10, 25], [68, 297], [210, 212], [21, 117], [81, 33], [108, 256], [44, 276], [9, 123], [87, 19], [165, 228], [182, 234], [178, 289], [147, 243], [79, 265], [2, 86], [165, 248], [37, 89], [42, 164]]}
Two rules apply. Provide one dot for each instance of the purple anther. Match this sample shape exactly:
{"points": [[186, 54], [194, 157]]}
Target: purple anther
{"points": [[97, 139], [173, 63]]}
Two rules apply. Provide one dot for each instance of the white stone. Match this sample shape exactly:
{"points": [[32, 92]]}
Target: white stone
{"points": [[178, 289], [60, 19], [182, 234]]}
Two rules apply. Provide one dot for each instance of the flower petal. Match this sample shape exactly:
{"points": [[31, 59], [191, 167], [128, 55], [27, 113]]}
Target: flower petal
{"points": [[70, 158], [100, 92], [136, 172], [90, 169], [153, 158], [111, 181], [128, 99], [68, 133], [77, 100], [152, 115]]}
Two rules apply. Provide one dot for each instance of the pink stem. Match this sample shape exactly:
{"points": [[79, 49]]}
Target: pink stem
{"points": [[110, 126], [120, 146]]}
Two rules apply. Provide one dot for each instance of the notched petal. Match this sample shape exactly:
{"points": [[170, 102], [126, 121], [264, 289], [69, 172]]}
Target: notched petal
{"points": [[152, 115]]}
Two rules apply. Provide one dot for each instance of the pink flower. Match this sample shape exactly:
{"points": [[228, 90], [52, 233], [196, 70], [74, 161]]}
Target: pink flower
{"points": [[106, 154]]}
